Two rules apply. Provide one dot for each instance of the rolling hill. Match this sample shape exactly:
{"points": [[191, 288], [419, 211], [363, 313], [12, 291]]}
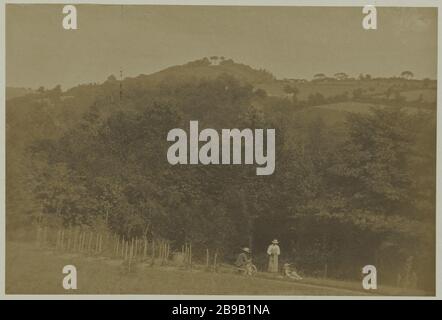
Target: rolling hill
{"points": [[60, 109], [14, 92]]}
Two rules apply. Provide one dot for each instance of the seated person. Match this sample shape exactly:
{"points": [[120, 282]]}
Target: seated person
{"points": [[244, 258], [291, 272]]}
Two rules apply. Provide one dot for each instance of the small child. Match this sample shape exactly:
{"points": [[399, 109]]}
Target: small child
{"points": [[291, 272]]}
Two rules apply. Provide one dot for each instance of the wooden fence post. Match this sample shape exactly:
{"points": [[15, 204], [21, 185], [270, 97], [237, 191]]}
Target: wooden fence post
{"points": [[123, 243], [85, 242], [57, 241], [74, 246], [62, 239], [153, 252], [89, 244], [95, 250], [75, 240], [38, 236], [214, 261], [145, 249], [207, 258], [131, 253], [45, 234], [190, 255], [80, 241], [68, 245], [117, 246], [100, 244], [82, 234], [132, 247]]}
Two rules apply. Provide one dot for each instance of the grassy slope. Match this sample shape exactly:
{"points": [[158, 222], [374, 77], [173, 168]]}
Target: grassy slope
{"points": [[34, 271], [372, 87]]}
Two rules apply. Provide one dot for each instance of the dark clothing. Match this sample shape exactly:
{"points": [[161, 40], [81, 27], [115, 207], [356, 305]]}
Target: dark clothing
{"points": [[242, 260]]}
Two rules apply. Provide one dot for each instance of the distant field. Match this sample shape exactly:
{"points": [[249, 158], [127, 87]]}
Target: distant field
{"points": [[410, 91], [340, 87], [33, 271], [428, 95], [334, 114], [306, 89], [350, 106]]}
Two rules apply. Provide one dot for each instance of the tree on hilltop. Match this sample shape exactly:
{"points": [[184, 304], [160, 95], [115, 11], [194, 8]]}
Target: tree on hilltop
{"points": [[407, 74], [319, 76], [341, 76]]}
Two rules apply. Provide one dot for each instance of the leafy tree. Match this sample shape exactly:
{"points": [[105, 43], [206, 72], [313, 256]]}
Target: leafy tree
{"points": [[407, 75], [372, 167], [319, 76], [291, 90], [341, 76], [371, 178]]}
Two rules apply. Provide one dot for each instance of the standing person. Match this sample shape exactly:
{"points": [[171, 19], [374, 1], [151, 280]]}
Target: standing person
{"points": [[273, 251]]}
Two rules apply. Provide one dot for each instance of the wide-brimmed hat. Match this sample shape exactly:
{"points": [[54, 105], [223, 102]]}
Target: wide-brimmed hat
{"points": [[275, 241], [246, 250]]}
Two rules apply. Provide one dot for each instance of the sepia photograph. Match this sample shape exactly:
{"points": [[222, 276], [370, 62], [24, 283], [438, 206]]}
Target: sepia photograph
{"points": [[224, 150]]}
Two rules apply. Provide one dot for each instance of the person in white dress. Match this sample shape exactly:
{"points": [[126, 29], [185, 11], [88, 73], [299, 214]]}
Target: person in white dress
{"points": [[273, 251]]}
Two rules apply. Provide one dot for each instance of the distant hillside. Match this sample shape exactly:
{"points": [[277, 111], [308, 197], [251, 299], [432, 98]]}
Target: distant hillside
{"points": [[14, 92], [51, 111], [213, 67], [409, 89], [210, 68]]}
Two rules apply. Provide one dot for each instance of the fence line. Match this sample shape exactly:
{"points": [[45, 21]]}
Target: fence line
{"points": [[111, 245]]}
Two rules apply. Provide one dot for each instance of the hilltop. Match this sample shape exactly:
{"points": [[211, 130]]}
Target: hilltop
{"points": [[211, 68], [326, 87], [330, 98]]}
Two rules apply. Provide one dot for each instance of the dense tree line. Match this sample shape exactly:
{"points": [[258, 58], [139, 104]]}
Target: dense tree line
{"points": [[342, 196]]}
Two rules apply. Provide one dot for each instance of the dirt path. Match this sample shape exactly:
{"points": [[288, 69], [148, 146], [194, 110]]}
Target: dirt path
{"points": [[33, 271]]}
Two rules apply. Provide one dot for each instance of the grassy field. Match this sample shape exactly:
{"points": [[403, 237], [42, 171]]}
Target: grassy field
{"points": [[411, 90], [30, 270], [427, 95]]}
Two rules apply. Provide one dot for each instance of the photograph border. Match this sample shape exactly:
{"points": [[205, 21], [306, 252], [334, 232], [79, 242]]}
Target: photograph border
{"points": [[328, 3]]}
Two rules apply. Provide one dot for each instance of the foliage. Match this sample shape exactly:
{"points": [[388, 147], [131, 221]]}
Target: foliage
{"points": [[371, 177]]}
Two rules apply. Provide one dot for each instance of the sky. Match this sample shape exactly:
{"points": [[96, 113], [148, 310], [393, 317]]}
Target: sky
{"points": [[290, 42]]}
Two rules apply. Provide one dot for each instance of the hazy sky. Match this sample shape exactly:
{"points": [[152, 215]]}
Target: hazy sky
{"points": [[291, 42]]}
